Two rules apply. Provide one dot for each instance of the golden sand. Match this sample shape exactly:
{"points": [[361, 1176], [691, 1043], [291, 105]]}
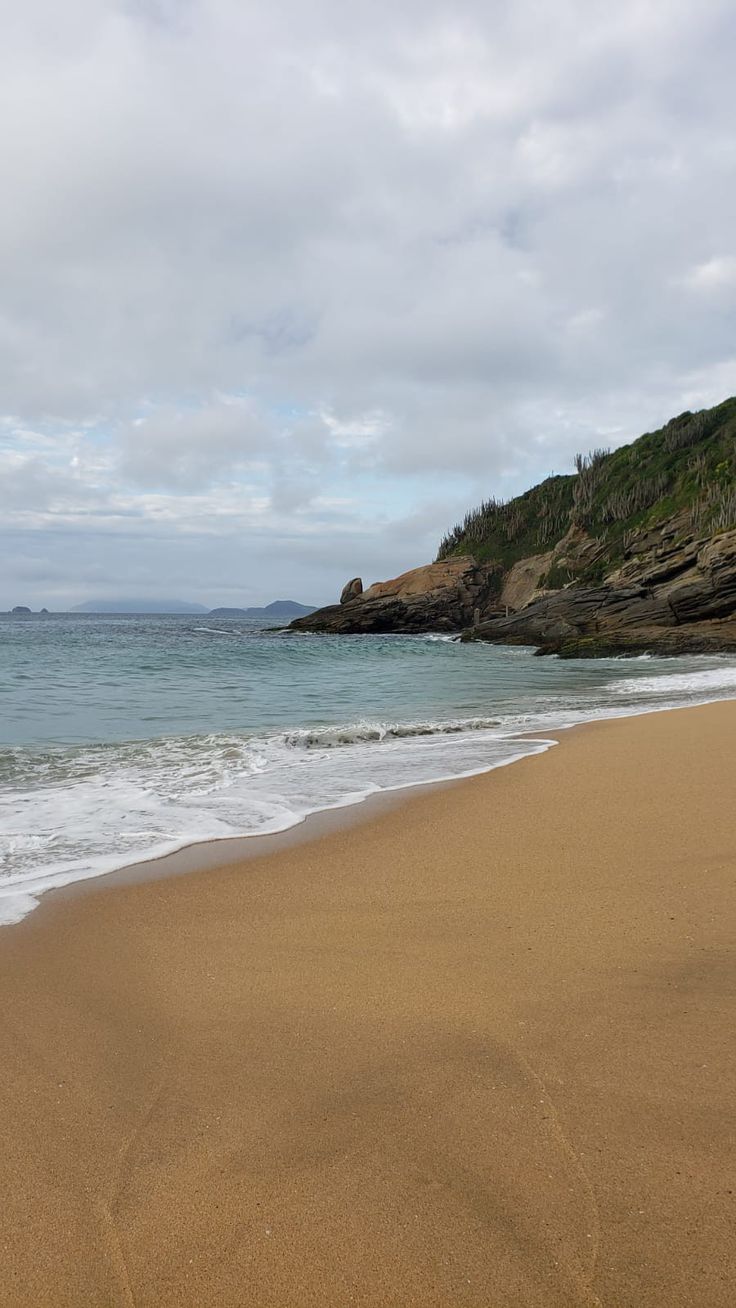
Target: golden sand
{"points": [[478, 1050]]}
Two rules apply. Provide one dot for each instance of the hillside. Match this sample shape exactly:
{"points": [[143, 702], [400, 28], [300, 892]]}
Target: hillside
{"points": [[588, 520], [634, 551]]}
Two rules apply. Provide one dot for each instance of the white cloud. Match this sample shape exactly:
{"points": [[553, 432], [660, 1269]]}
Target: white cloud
{"points": [[187, 447], [714, 275], [395, 254], [357, 431]]}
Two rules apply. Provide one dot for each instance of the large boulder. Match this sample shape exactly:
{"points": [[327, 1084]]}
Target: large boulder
{"points": [[523, 580], [351, 590]]}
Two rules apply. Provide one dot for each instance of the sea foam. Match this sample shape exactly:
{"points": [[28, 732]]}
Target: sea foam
{"points": [[128, 739]]}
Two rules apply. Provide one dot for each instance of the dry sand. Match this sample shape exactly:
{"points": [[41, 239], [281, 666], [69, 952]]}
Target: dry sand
{"points": [[478, 1050]]}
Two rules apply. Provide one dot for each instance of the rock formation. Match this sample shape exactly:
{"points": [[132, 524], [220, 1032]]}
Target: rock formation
{"points": [[439, 597], [351, 590], [678, 595], [634, 551]]}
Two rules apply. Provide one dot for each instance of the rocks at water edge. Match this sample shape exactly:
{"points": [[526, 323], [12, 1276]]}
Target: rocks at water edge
{"points": [[675, 594], [438, 597]]}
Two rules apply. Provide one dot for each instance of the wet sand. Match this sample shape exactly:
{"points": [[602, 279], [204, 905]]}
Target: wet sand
{"points": [[477, 1049]]}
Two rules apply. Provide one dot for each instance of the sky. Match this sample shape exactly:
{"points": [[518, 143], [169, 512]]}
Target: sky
{"points": [[285, 288]]}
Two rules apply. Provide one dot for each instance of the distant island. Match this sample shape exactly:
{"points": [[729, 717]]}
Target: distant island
{"points": [[23, 611], [278, 609]]}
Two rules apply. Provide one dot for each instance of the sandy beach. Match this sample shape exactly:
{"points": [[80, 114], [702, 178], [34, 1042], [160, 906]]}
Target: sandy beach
{"points": [[476, 1050]]}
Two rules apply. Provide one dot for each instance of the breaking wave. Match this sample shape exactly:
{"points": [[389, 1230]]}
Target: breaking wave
{"points": [[181, 739], [710, 683]]}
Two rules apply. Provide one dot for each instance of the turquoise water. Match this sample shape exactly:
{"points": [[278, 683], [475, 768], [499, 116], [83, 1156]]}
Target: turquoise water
{"points": [[123, 737]]}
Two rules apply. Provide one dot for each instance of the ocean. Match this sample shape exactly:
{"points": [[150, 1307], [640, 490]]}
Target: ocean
{"points": [[125, 737]]}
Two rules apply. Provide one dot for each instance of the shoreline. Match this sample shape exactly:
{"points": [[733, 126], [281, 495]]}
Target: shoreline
{"points": [[473, 1049], [226, 850], [204, 855]]}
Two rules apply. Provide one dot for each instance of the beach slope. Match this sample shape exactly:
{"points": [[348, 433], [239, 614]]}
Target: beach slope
{"points": [[477, 1050]]}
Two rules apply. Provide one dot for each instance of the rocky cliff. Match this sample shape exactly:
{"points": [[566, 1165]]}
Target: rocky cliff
{"points": [[678, 595], [634, 551]]}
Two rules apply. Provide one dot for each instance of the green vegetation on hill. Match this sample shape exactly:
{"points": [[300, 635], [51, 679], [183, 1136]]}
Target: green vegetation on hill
{"points": [[687, 470]]}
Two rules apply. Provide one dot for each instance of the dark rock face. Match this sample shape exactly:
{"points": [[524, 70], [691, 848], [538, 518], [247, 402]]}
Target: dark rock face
{"points": [[673, 598], [439, 597], [696, 638], [673, 594], [351, 590]]}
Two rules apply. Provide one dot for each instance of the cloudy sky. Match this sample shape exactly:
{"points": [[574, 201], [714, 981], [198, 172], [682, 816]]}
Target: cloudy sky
{"points": [[286, 287]]}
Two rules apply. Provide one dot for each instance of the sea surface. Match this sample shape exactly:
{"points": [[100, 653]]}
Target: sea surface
{"points": [[125, 737]]}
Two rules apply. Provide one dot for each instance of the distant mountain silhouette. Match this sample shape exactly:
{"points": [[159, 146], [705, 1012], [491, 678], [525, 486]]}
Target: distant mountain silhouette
{"points": [[139, 606], [278, 609]]}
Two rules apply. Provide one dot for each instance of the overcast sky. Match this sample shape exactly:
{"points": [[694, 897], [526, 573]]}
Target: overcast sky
{"points": [[286, 287]]}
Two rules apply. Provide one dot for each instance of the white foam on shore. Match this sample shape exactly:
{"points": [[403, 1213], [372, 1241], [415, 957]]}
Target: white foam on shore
{"points": [[142, 824], [67, 809], [711, 682]]}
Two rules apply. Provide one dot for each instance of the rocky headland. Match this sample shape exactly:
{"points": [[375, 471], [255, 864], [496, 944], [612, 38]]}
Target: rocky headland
{"points": [[634, 552]]}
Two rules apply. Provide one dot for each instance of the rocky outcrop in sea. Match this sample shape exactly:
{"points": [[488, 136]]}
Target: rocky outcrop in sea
{"points": [[673, 594], [444, 596]]}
